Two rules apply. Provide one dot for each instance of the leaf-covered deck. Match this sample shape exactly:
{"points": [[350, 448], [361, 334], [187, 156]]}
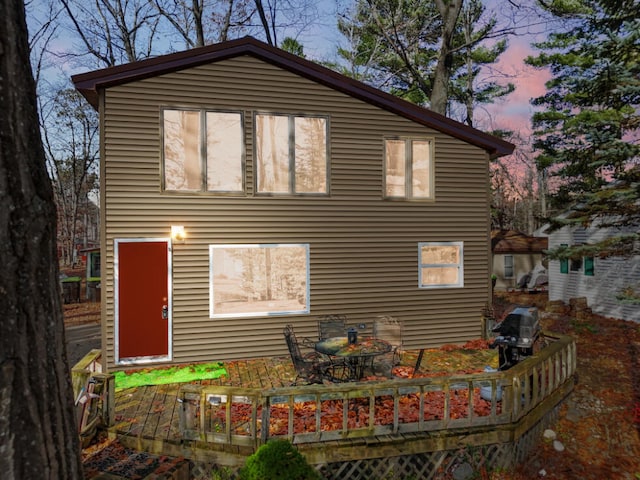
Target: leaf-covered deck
{"points": [[152, 412]]}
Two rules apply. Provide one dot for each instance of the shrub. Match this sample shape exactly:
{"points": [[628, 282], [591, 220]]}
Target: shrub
{"points": [[277, 460]]}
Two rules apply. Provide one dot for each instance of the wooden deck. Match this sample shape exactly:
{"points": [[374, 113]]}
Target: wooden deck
{"points": [[153, 412], [222, 421]]}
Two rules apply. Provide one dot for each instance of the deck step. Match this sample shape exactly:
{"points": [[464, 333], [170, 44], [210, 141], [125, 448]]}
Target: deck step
{"points": [[113, 461]]}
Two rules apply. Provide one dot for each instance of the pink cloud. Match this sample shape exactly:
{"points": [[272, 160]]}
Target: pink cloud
{"points": [[515, 111]]}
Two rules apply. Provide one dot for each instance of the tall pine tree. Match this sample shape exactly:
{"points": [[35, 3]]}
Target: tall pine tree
{"points": [[588, 137], [428, 52]]}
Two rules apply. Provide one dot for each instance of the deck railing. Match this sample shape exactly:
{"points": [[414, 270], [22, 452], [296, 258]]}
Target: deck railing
{"points": [[318, 413], [94, 394]]}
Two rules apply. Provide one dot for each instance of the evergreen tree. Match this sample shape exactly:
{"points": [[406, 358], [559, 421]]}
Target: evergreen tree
{"points": [[466, 88], [588, 136], [405, 47]]}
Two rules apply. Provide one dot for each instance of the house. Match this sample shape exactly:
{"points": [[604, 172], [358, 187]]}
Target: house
{"points": [[601, 281], [244, 188], [518, 260]]}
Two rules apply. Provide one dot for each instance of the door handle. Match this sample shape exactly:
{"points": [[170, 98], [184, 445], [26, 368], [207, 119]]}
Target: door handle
{"points": [[165, 312]]}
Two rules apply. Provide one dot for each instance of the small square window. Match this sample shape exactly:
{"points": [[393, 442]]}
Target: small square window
{"points": [[441, 264], [575, 264]]}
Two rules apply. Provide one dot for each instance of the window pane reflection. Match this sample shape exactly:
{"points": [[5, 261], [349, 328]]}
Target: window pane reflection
{"points": [[259, 279], [224, 152], [182, 164]]}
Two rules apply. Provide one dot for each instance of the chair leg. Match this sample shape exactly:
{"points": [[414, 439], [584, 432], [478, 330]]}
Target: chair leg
{"points": [[418, 362]]}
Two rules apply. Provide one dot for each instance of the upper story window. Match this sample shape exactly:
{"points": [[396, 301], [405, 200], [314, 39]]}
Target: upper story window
{"points": [[203, 151], [441, 264], [291, 154], [408, 165]]}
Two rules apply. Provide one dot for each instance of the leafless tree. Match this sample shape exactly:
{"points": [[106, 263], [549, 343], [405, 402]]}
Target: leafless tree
{"points": [[70, 137], [278, 15], [517, 188], [38, 435], [113, 31]]}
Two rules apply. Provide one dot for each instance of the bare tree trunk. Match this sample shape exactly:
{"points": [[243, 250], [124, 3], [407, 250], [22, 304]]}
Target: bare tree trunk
{"points": [[264, 21], [226, 23], [38, 435], [449, 10]]}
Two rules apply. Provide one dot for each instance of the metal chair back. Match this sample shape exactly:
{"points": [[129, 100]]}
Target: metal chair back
{"points": [[330, 326], [389, 329], [297, 359], [313, 369]]}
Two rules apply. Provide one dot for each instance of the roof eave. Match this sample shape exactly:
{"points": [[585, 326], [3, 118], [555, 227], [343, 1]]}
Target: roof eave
{"points": [[89, 85]]}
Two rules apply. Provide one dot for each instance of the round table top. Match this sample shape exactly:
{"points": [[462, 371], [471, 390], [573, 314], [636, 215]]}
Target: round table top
{"points": [[339, 346]]}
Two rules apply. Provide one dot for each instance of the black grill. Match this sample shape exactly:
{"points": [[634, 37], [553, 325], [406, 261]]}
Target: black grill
{"points": [[517, 334]]}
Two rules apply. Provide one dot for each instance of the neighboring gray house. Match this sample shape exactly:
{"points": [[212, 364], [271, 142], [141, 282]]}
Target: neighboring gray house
{"points": [[599, 280]]}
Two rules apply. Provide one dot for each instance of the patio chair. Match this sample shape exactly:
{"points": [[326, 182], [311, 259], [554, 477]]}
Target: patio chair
{"points": [[311, 367], [389, 329], [330, 326]]}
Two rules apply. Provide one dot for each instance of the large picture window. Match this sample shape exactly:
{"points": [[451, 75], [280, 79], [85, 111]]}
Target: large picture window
{"points": [[408, 168], [291, 154], [255, 280], [202, 151], [441, 264]]}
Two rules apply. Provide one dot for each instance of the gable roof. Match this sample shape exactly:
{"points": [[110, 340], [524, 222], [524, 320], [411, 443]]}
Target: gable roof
{"points": [[512, 241], [89, 84]]}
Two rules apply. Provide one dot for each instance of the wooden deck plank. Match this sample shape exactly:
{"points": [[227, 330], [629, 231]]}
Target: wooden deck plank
{"points": [[164, 398], [142, 412], [127, 402], [165, 404]]}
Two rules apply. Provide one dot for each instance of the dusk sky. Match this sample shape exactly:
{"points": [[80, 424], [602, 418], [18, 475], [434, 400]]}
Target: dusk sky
{"points": [[512, 113]]}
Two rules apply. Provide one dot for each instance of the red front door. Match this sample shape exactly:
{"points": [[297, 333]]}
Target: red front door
{"points": [[143, 310]]}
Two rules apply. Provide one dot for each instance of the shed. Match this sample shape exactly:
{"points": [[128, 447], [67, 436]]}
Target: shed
{"points": [[518, 260]]}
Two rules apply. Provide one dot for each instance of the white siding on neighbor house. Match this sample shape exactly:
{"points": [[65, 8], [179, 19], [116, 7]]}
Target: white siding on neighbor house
{"points": [[611, 276]]}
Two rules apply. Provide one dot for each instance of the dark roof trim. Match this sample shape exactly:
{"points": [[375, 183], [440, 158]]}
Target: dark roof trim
{"points": [[90, 83]]}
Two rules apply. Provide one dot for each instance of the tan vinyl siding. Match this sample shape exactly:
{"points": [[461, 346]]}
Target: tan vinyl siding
{"points": [[363, 249]]}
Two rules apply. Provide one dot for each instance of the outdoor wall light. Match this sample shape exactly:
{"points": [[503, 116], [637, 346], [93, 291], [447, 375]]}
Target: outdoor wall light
{"points": [[178, 234]]}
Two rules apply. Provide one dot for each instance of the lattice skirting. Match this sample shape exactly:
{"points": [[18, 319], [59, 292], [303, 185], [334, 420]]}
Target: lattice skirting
{"points": [[465, 462]]}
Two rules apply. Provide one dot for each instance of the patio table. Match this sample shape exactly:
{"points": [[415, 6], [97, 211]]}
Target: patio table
{"points": [[358, 356]]}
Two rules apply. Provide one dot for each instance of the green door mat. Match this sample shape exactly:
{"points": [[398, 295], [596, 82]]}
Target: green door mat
{"points": [[163, 376]]}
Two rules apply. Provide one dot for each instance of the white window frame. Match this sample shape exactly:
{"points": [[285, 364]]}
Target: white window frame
{"points": [[202, 152], [408, 167], [459, 265], [212, 289]]}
